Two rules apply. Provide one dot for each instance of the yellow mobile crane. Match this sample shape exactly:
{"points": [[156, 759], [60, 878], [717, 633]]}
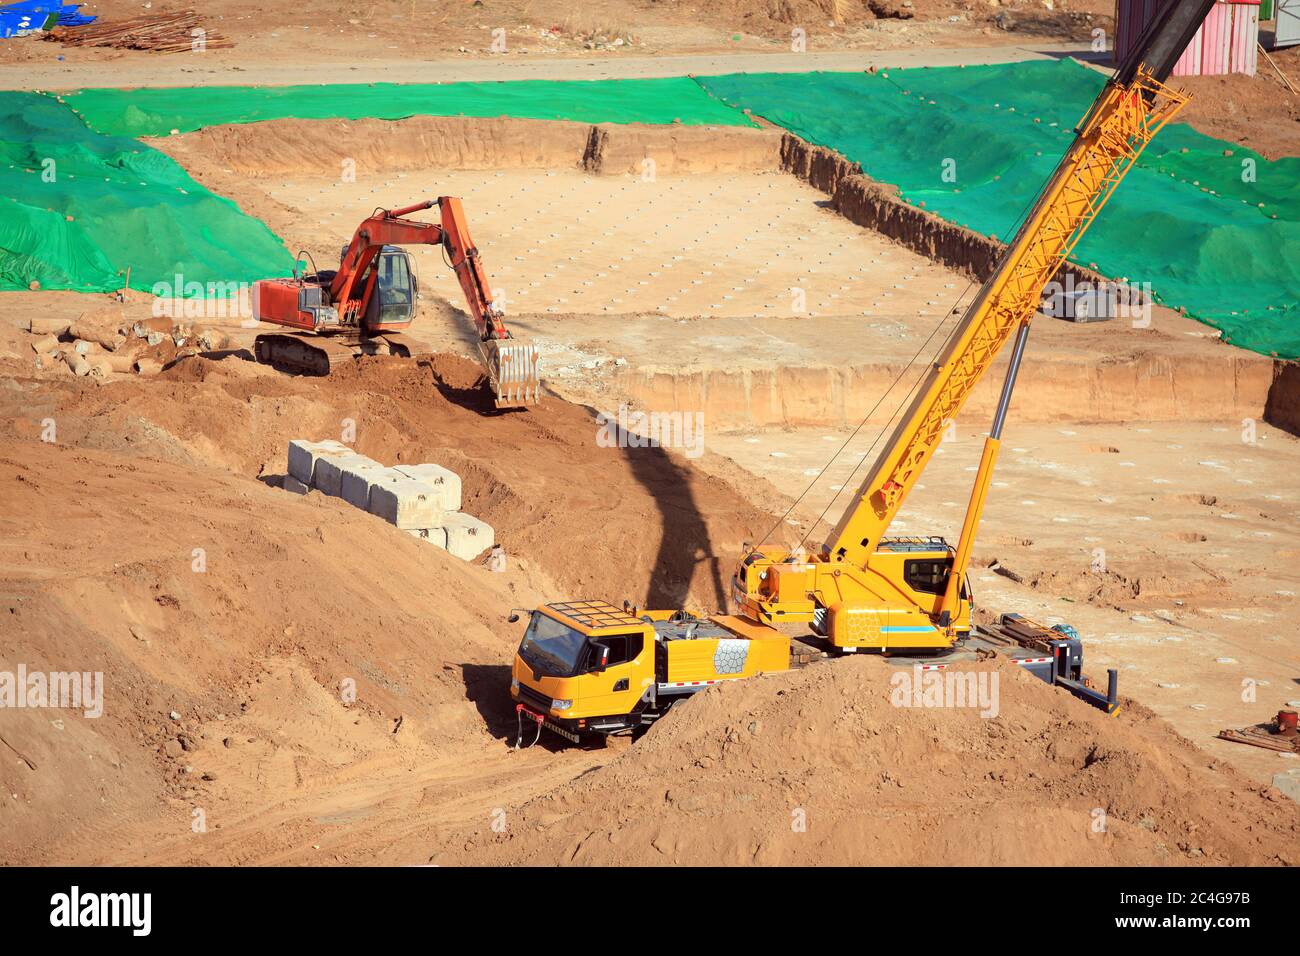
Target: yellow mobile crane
{"points": [[589, 667]]}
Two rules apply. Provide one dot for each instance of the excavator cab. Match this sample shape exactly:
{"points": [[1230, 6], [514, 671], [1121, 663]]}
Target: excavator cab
{"points": [[397, 289]]}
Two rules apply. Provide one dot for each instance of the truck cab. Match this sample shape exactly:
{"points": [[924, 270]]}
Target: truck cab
{"points": [[584, 666], [587, 668]]}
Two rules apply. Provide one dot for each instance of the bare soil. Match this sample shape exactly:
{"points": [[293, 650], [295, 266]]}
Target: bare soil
{"points": [[1259, 111], [822, 767], [396, 29], [295, 594], [147, 537]]}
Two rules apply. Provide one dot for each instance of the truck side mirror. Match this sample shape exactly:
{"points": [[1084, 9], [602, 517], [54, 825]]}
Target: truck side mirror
{"points": [[513, 618], [602, 658]]}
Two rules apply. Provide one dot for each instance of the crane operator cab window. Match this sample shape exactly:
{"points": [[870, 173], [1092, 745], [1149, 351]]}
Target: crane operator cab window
{"points": [[929, 575]]}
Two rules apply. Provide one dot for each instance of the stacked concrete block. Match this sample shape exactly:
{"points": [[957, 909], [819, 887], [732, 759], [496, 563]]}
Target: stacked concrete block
{"points": [[405, 502], [422, 500], [356, 479], [446, 483], [328, 475], [303, 456], [467, 537]]}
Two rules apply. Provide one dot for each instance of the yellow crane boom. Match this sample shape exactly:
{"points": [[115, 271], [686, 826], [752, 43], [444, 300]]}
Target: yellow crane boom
{"points": [[865, 591]]}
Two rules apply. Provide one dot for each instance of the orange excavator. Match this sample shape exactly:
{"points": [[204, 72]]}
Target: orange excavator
{"points": [[363, 307]]}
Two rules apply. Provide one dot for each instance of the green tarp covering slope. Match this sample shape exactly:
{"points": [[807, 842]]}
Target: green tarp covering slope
{"points": [[156, 112], [1216, 234], [77, 208]]}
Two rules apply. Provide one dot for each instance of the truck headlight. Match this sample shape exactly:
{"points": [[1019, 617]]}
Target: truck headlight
{"points": [[561, 704], [514, 686]]}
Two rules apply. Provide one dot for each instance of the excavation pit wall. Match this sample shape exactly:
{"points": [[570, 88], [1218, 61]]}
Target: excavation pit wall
{"points": [[1074, 373], [1149, 388]]}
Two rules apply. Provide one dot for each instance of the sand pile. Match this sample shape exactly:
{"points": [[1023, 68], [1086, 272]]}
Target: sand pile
{"points": [[615, 523], [228, 620], [818, 767], [225, 615]]}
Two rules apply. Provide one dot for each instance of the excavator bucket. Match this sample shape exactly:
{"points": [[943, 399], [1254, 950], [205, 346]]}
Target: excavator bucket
{"points": [[512, 368]]}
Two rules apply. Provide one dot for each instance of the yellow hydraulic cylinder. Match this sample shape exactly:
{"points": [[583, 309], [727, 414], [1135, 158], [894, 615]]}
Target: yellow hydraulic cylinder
{"points": [[974, 511], [983, 476]]}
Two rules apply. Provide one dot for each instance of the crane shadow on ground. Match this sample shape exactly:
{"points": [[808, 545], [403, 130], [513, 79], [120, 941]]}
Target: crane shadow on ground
{"points": [[684, 542]]}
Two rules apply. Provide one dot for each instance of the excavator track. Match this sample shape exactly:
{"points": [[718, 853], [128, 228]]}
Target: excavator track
{"points": [[303, 355]]}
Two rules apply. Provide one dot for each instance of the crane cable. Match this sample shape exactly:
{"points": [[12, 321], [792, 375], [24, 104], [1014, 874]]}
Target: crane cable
{"points": [[861, 424]]}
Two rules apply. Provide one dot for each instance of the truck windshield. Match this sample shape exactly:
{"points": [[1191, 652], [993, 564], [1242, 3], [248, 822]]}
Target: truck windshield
{"points": [[552, 648]]}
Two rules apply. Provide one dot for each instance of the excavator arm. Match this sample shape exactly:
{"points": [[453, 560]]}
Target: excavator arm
{"points": [[391, 228], [853, 572]]}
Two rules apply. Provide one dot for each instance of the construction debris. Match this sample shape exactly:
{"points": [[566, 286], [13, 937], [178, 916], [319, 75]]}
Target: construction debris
{"points": [[1279, 735], [157, 33]]}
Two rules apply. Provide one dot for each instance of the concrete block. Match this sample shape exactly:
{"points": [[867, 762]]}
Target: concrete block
{"points": [[404, 501], [303, 455], [443, 481], [355, 479], [467, 537], [291, 483], [435, 536], [328, 474], [1288, 783]]}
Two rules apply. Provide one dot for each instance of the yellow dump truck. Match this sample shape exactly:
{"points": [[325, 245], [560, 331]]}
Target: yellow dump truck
{"points": [[587, 668]]}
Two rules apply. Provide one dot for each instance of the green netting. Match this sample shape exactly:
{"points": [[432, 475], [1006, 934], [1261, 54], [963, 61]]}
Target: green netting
{"points": [[158, 112], [1213, 227], [77, 208]]}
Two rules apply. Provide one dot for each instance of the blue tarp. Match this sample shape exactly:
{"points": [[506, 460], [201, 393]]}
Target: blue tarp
{"points": [[27, 16]]}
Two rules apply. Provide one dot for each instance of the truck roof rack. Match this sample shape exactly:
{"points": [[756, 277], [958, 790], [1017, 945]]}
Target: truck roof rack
{"points": [[595, 614]]}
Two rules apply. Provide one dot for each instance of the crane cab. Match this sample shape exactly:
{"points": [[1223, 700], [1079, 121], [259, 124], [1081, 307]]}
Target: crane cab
{"points": [[890, 606]]}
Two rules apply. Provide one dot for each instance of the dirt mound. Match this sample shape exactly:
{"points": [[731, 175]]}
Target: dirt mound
{"points": [[635, 523], [224, 616], [1257, 111], [147, 551], [765, 16], [829, 18], [819, 767]]}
